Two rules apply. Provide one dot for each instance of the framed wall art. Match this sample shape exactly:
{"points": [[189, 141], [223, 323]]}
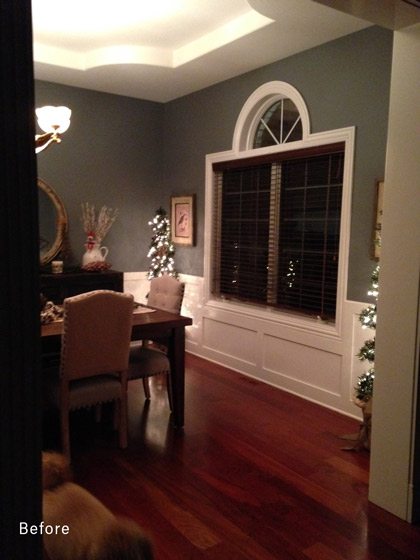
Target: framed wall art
{"points": [[182, 219], [377, 230]]}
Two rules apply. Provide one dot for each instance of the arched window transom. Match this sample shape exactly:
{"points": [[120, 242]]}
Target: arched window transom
{"points": [[281, 123], [274, 114]]}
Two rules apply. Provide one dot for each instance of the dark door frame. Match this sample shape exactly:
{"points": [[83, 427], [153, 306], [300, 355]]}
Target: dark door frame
{"points": [[20, 398]]}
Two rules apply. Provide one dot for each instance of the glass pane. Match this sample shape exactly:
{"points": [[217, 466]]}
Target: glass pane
{"points": [[309, 233], [280, 123], [297, 236], [244, 232]]}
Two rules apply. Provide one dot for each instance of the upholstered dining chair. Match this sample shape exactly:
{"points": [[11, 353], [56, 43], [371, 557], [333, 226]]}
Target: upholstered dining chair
{"points": [[166, 292], [94, 357]]}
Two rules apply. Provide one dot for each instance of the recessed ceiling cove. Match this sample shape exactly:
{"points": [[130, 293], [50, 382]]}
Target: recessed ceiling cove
{"points": [[163, 49]]}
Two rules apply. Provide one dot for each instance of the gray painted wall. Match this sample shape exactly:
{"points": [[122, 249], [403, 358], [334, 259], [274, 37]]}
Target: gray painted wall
{"points": [[344, 83], [135, 154], [111, 155]]}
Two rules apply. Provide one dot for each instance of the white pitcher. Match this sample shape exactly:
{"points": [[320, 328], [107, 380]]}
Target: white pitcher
{"points": [[94, 253]]}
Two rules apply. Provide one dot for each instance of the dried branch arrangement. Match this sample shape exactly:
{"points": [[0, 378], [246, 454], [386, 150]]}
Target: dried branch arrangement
{"points": [[96, 227]]}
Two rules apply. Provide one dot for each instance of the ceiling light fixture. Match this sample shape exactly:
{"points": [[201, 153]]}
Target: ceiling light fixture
{"points": [[54, 121]]}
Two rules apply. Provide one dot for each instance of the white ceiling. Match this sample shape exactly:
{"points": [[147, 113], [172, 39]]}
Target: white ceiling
{"points": [[163, 49]]}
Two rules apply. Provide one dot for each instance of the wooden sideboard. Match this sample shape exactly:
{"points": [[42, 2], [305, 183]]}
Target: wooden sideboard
{"points": [[56, 287]]}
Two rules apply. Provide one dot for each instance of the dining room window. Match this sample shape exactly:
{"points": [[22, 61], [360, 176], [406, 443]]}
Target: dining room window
{"points": [[277, 230], [277, 219]]}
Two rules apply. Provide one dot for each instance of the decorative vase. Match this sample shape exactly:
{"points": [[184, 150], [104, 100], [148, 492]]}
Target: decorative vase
{"points": [[94, 253]]}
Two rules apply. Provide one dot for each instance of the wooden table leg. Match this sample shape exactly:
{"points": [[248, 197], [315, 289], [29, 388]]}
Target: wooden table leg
{"points": [[177, 377]]}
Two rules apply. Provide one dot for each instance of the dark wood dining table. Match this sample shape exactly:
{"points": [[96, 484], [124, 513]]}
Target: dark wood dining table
{"points": [[149, 325]]}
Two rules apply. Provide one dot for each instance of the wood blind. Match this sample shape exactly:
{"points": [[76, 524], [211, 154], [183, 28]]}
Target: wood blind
{"points": [[277, 230]]}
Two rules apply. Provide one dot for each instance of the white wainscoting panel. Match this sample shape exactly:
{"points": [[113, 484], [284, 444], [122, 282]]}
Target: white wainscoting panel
{"points": [[299, 364], [231, 341], [319, 366]]}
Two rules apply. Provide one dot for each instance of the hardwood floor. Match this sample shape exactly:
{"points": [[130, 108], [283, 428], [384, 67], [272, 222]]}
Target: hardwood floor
{"points": [[256, 474]]}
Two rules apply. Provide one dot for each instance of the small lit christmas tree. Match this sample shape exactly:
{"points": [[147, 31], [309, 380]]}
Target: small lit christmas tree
{"points": [[363, 391], [367, 317], [161, 249]]}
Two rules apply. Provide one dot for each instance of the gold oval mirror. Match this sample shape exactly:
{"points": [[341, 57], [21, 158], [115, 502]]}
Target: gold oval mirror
{"points": [[52, 222]]}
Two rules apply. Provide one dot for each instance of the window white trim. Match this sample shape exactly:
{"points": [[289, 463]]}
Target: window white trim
{"points": [[256, 104]]}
